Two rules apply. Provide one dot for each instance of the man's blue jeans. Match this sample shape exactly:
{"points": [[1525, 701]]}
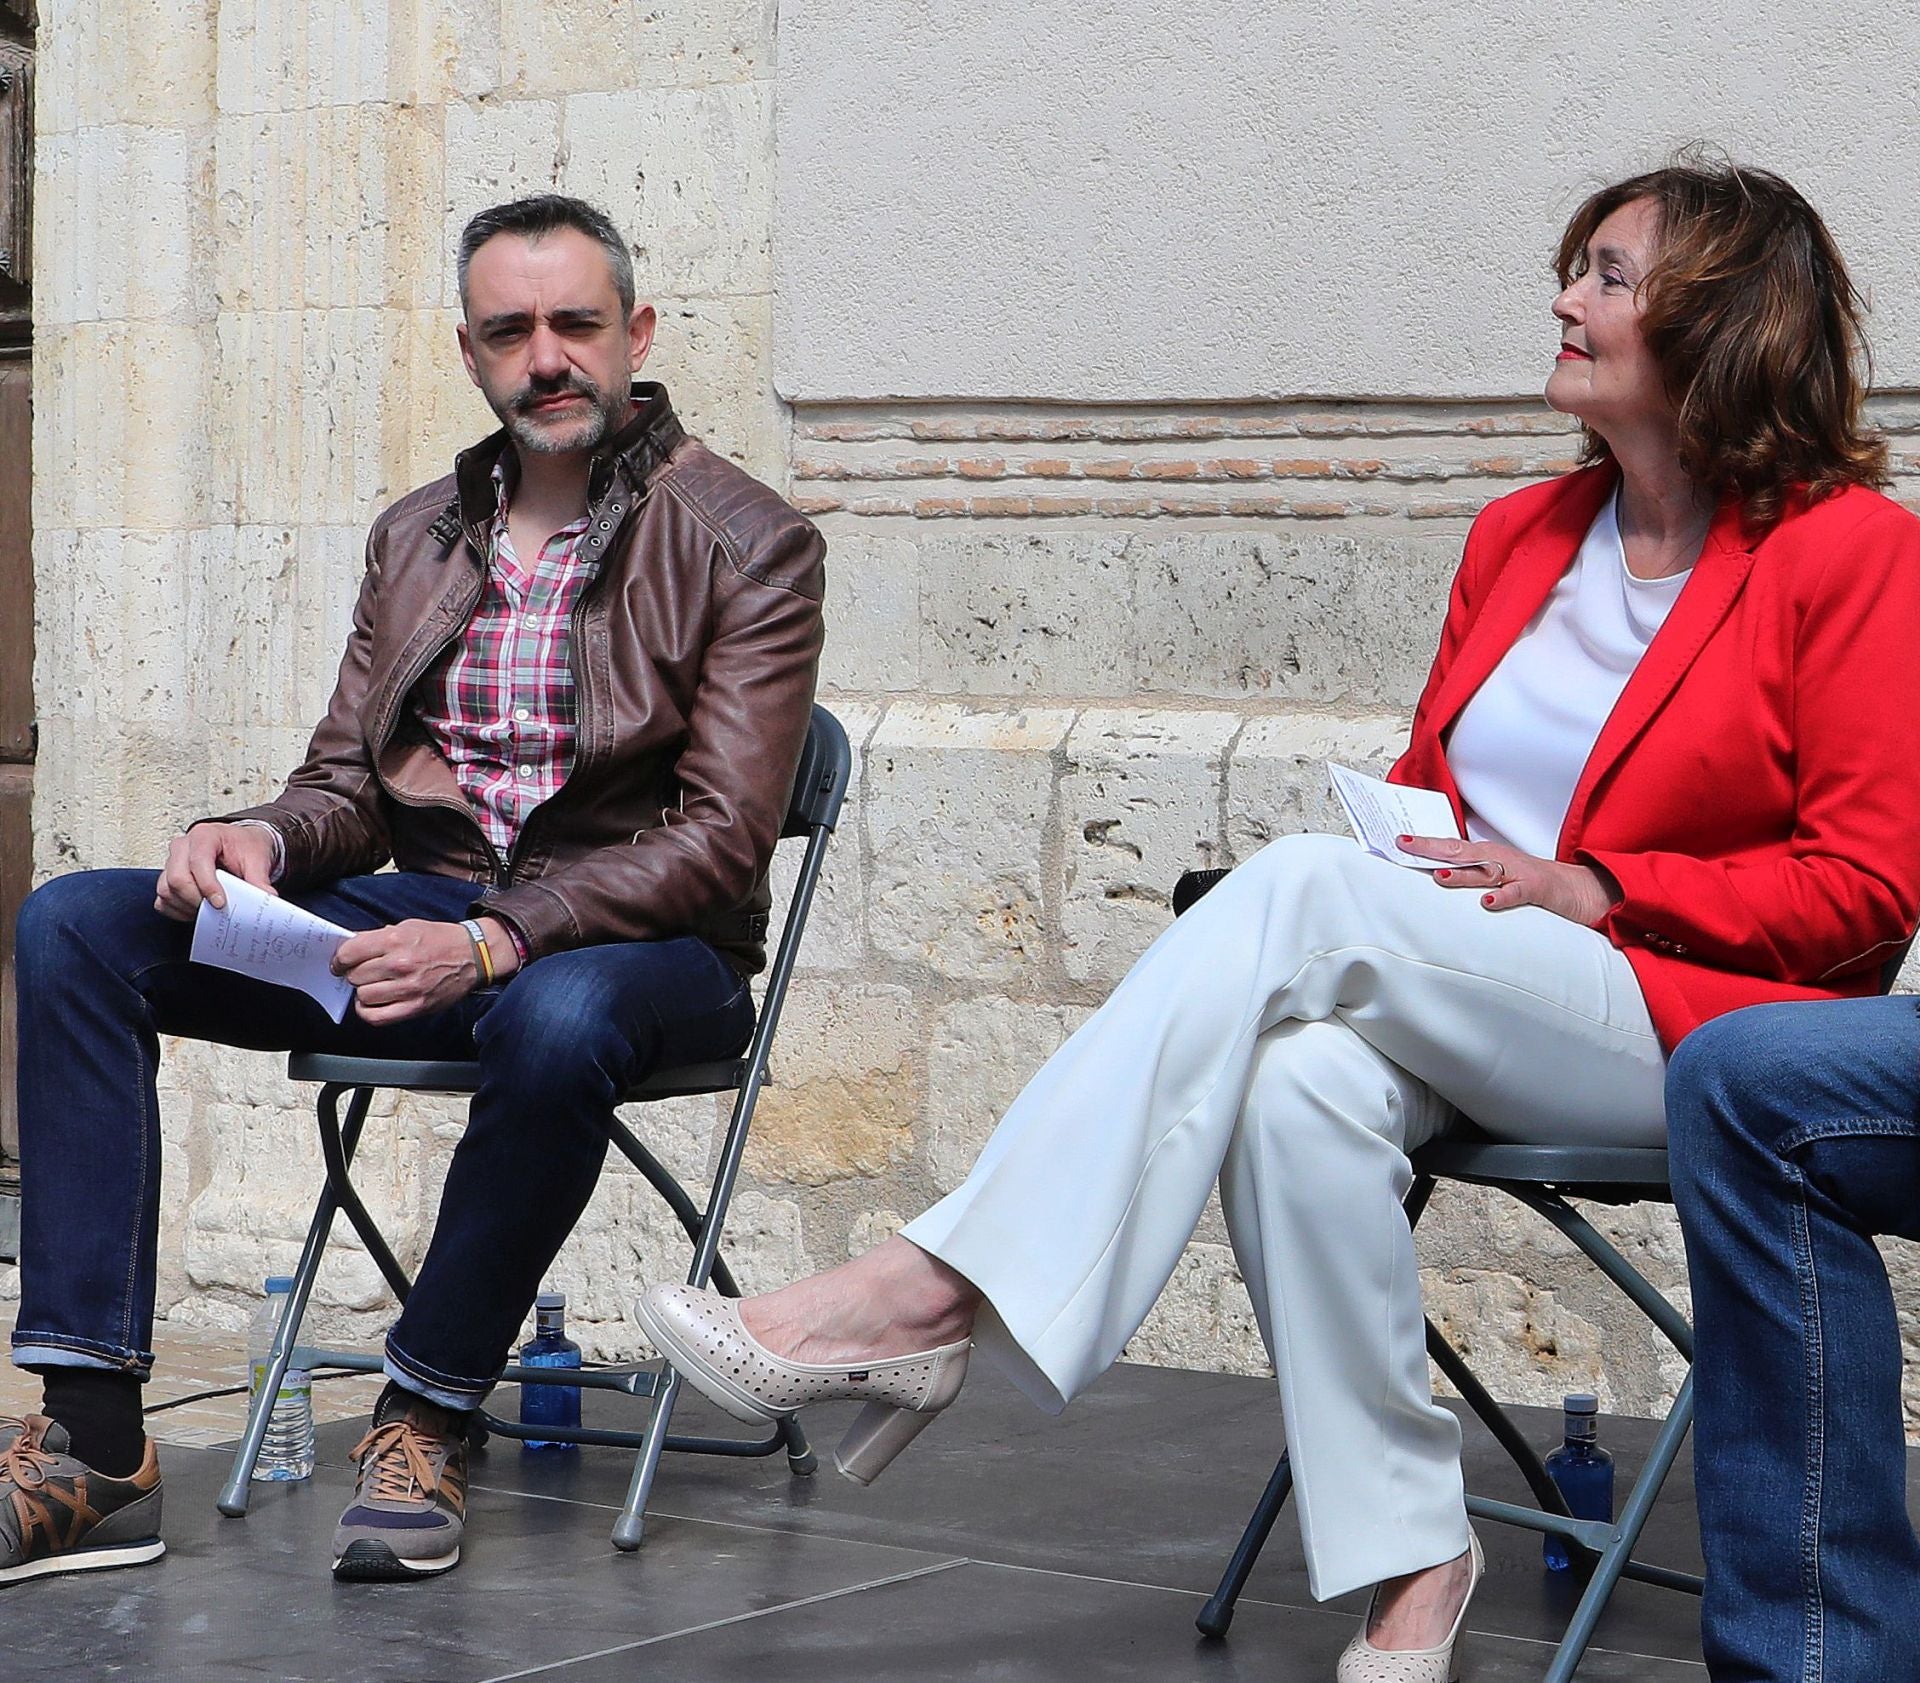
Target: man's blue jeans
{"points": [[101, 975], [1794, 1141]]}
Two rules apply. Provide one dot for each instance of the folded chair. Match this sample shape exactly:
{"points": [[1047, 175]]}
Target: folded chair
{"points": [[1543, 1178], [820, 787]]}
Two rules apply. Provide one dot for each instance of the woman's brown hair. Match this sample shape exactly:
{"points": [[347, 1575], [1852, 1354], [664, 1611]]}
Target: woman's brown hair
{"points": [[1751, 316]]}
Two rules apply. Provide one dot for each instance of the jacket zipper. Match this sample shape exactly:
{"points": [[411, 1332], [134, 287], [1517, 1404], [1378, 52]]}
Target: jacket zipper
{"points": [[383, 734]]}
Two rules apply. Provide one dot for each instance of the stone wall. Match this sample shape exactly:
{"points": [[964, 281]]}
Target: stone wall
{"points": [[1078, 648]]}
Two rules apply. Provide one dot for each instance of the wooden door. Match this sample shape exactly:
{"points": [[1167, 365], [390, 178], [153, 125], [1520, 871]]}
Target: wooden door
{"points": [[17, 736]]}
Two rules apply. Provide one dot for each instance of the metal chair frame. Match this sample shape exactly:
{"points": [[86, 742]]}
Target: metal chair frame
{"points": [[1543, 1178], [820, 787]]}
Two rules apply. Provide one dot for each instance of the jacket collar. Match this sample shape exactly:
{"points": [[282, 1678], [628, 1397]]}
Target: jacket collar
{"points": [[626, 461], [1539, 557]]}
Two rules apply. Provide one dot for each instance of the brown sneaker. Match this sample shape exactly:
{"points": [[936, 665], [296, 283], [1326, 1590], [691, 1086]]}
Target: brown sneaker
{"points": [[58, 1515], [409, 1508]]}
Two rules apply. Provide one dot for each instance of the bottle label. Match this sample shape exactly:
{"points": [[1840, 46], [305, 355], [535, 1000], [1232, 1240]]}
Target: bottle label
{"points": [[295, 1385]]}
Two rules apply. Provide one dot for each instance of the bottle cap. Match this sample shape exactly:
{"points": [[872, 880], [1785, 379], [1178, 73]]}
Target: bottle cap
{"points": [[1581, 1402], [551, 1300], [279, 1282]]}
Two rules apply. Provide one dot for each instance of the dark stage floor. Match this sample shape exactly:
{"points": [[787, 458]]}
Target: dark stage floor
{"points": [[1002, 1546]]}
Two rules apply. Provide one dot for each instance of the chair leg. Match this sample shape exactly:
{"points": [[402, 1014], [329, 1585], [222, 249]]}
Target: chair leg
{"points": [[234, 1494], [631, 1527], [1497, 1421], [1633, 1520], [1218, 1612], [801, 1460]]}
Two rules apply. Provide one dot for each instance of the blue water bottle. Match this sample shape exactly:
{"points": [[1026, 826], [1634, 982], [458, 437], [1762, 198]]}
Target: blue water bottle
{"points": [[1584, 1473], [549, 1405]]}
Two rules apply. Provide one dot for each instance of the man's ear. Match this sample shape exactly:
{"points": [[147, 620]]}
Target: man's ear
{"points": [[640, 326], [466, 351]]}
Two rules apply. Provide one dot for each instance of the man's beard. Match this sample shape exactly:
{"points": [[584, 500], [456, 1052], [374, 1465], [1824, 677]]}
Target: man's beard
{"points": [[587, 432]]}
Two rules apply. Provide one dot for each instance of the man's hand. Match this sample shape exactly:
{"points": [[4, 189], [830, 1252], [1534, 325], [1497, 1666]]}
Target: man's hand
{"points": [[1506, 878], [411, 969], [241, 850]]}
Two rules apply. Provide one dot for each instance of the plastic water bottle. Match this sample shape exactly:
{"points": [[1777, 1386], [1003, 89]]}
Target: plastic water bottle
{"points": [[1583, 1471], [286, 1452], [549, 1405]]}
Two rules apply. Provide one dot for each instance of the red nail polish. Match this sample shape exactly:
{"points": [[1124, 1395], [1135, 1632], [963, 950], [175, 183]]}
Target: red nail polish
{"points": [[1486, 900], [1403, 840], [1443, 875]]}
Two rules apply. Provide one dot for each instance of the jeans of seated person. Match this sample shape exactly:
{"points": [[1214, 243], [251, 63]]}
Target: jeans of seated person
{"points": [[102, 975], [1794, 1140]]}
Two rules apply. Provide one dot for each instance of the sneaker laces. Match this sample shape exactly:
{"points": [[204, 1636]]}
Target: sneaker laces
{"points": [[25, 1462], [401, 1462], [24, 1470]]}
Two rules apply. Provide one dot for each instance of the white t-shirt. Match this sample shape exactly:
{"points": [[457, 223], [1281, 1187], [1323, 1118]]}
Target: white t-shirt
{"points": [[1519, 746]]}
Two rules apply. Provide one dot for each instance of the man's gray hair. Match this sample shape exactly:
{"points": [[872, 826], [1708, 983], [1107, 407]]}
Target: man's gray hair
{"points": [[542, 214]]}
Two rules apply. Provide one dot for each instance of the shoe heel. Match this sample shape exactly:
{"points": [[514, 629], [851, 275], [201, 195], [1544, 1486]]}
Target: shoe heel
{"points": [[879, 1432]]}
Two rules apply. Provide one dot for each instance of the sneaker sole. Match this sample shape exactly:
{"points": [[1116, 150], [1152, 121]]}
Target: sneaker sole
{"points": [[370, 1562], [84, 1560]]}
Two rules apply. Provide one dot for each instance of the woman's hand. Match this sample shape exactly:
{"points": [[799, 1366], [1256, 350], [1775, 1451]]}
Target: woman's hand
{"points": [[1506, 878]]}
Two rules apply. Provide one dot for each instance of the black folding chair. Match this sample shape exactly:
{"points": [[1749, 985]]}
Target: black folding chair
{"points": [[1543, 1178], [820, 787]]}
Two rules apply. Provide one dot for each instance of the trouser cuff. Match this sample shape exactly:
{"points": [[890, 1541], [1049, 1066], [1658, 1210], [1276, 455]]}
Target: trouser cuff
{"points": [[36, 1350], [446, 1389]]}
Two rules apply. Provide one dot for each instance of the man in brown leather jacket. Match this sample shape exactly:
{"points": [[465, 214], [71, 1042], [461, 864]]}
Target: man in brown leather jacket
{"points": [[569, 712]]}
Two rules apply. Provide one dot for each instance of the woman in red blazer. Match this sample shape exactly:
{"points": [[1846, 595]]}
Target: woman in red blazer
{"points": [[1671, 710]]}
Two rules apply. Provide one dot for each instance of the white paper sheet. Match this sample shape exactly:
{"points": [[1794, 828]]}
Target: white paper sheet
{"points": [[1378, 811], [259, 934]]}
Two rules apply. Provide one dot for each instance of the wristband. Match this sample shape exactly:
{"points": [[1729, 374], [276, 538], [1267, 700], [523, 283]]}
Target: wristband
{"points": [[482, 957]]}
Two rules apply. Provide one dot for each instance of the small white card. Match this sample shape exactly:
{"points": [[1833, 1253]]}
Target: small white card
{"points": [[261, 935], [1378, 811]]}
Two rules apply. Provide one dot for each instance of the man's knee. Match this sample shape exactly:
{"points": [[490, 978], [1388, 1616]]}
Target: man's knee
{"points": [[554, 1030], [1735, 1072], [80, 906]]}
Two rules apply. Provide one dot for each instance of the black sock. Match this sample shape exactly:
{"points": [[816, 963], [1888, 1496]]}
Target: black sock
{"points": [[100, 1408], [395, 1400]]}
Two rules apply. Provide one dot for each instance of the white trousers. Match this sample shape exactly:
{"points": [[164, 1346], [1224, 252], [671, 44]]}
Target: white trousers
{"points": [[1294, 1036]]}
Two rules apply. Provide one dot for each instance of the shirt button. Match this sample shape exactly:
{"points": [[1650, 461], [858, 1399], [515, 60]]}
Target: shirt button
{"points": [[521, 713], [526, 771]]}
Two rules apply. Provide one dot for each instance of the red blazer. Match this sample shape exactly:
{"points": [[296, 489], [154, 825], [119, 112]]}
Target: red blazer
{"points": [[1754, 791]]}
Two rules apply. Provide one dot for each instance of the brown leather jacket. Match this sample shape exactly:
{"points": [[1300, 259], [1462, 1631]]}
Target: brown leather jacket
{"points": [[694, 652]]}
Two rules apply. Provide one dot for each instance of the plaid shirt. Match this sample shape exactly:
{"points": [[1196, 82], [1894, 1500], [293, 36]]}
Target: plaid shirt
{"points": [[499, 703]]}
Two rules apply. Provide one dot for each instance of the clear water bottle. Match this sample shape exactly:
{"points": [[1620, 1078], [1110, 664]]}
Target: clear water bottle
{"points": [[1583, 1471], [286, 1452], [549, 1405]]}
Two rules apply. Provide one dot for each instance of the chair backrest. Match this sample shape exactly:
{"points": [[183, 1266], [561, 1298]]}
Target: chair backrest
{"points": [[820, 783], [1890, 971]]}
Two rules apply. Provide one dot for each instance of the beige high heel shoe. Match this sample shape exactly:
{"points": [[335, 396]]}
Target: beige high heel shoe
{"points": [[1364, 1663], [702, 1335]]}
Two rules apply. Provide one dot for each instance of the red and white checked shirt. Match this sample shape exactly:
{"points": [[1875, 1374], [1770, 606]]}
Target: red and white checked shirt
{"points": [[500, 703]]}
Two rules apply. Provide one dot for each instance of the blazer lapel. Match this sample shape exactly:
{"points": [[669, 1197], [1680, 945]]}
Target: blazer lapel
{"points": [[1704, 601], [1539, 557]]}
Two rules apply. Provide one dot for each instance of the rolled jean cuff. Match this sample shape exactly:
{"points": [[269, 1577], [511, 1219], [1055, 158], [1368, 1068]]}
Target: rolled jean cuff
{"points": [[446, 1389], [36, 1350]]}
